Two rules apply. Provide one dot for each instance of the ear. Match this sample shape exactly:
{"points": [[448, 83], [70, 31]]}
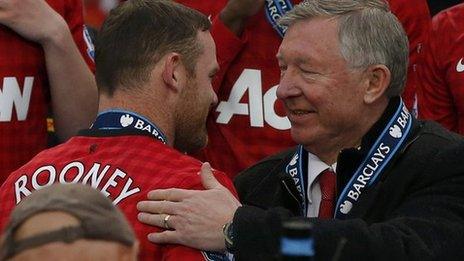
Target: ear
{"points": [[378, 79], [174, 73]]}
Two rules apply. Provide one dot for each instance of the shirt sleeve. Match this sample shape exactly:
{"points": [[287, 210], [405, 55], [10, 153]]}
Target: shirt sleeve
{"points": [[228, 46], [75, 19]]}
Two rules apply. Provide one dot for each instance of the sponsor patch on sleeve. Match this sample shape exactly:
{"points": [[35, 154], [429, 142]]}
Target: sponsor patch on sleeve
{"points": [[89, 43]]}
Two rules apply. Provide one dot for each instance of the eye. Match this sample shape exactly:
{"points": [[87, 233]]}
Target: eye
{"points": [[306, 71], [309, 74]]}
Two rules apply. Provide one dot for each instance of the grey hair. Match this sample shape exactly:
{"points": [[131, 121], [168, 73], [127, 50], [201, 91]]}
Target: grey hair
{"points": [[369, 34]]}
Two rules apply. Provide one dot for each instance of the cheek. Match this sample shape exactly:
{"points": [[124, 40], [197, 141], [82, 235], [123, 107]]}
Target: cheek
{"points": [[336, 109], [314, 95], [343, 95]]}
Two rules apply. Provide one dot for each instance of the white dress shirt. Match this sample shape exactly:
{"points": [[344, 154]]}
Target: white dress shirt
{"points": [[313, 193]]}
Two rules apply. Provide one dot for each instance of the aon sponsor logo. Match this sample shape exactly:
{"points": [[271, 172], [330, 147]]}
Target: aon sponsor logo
{"points": [[260, 107], [11, 96]]}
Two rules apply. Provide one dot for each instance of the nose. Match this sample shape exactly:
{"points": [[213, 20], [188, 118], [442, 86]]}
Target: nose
{"points": [[287, 86]]}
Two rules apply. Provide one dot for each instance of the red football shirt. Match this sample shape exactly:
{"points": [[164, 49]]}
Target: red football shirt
{"points": [[24, 93], [442, 96], [123, 167], [249, 122]]}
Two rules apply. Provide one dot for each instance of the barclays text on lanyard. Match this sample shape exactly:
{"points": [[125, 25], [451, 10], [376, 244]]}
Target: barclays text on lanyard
{"points": [[380, 154], [275, 9], [121, 119]]}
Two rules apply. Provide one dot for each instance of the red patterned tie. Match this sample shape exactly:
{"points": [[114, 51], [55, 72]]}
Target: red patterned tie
{"points": [[327, 181]]}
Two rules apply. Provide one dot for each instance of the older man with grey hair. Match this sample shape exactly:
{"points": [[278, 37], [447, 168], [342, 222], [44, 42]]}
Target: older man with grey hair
{"points": [[375, 183]]}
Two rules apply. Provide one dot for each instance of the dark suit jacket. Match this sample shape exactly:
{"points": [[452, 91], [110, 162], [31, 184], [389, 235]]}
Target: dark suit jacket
{"points": [[415, 212]]}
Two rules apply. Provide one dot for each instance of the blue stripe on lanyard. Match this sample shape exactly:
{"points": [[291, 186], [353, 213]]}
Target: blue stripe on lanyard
{"points": [[395, 149], [122, 119], [279, 7], [391, 142], [303, 178], [295, 170]]}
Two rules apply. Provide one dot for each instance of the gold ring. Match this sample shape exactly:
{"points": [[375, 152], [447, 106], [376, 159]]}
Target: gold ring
{"points": [[165, 222]]}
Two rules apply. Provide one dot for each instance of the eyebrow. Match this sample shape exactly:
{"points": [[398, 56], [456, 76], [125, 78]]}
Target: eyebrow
{"points": [[300, 60]]}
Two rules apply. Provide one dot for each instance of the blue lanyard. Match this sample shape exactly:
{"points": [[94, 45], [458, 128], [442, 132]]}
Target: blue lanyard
{"points": [[298, 174], [381, 153], [275, 9], [121, 119]]}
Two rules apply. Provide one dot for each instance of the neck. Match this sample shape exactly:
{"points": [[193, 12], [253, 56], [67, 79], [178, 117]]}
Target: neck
{"points": [[152, 111], [327, 150]]}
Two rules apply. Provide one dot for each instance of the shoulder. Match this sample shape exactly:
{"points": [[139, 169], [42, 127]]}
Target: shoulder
{"points": [[436, 135], [410, 12], [187, 170], [450, 17], [427, 139], [427, 148]]}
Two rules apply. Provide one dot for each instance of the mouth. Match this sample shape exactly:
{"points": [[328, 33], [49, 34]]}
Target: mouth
{"points": [[298, 112]]}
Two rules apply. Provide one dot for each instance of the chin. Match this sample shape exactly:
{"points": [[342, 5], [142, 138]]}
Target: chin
{"points": [[201, 140], [302, 137]]}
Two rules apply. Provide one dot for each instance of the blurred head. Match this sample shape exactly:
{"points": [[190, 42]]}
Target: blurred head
{"points": [[163, 53], [341, 61], [68, 222]]}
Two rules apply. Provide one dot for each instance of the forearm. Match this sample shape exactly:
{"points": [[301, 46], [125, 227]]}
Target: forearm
{"points": [[228, 46], [72, 85], [234, 23], [257, 232], [400, 239]]}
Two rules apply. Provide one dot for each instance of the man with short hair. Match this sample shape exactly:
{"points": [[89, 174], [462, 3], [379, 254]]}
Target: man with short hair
{"points": [[155, 61], [376, 183], [86, 226]]}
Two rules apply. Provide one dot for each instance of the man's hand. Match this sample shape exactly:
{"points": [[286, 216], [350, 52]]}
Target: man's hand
{"points": [[196, 216], [34, 20], [236, 12]]}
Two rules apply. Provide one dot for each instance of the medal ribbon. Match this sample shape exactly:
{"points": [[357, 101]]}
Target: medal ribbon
{"points": [[121, 119], [369, 171]]}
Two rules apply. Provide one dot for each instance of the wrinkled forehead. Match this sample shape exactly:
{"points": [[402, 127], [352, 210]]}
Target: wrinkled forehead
{"points": [[314, 37]]}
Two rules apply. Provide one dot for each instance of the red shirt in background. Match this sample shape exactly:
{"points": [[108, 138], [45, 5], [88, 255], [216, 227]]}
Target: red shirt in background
{"points": [[414, 15], [24, 93], [442, 94]]}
